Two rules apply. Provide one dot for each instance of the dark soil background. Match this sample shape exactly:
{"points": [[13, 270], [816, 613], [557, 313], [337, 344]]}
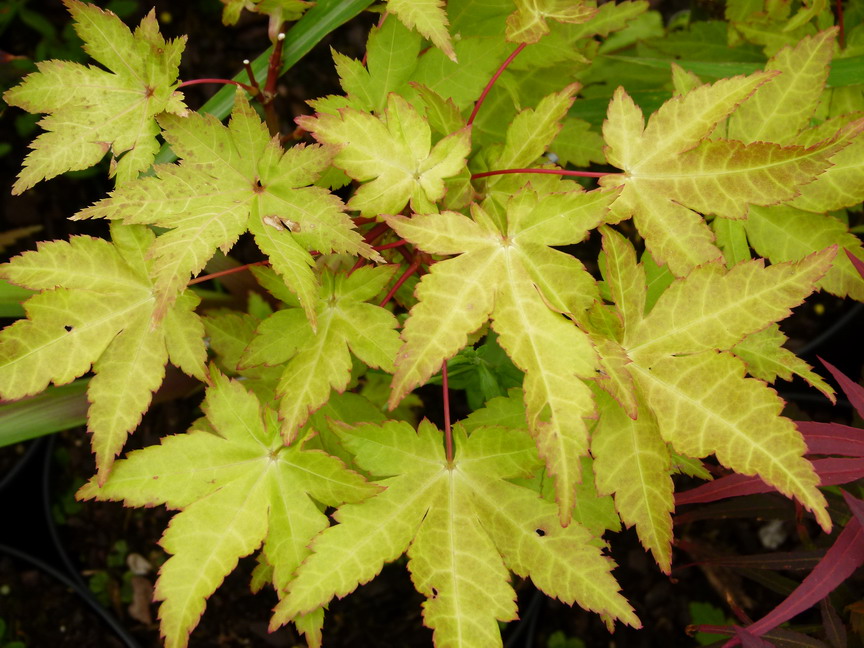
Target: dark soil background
{"points": [[114, 551]]}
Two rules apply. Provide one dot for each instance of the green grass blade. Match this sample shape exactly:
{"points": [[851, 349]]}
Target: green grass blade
{"points": [[55, 409]]}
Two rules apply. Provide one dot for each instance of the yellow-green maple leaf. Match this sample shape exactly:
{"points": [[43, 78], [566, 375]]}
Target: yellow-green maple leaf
{"points": [[392, 54], [318, 361], [91, 111], [528, 23], [428, 17], [233, 179], [506, 270], [780, 111], [673, 173], [696, 389], [463, 526], [95, 309], [394, 153], [632, 462], [237, 486]]}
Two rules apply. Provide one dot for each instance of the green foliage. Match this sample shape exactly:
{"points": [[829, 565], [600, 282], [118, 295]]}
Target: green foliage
{"points": [[457, 248]]}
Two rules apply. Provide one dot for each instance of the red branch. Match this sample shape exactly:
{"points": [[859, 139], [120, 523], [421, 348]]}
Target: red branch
{"points": [[562, 172], [841, 37], [247, 88], [387, 246], [273, 67], [376, 232], [448, 433], [229, 271], [411, 269], [492, 81]]}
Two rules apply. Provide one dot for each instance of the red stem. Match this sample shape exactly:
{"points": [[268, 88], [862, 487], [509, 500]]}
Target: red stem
{"points": [[229, 271], [251, 74], [359, 264], [562, 172], [247, 88], [376, 232], [411, 269], [448, 433], [273, 66], [390, 245], [492, 81]]}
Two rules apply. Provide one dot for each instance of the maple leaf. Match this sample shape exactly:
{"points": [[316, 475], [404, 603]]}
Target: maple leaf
{"points": [[95, 310], [501, 266], [788, 232], [92, 111], [768, 360], [232, 179], [463, 526], [528, 23], [672, 173], [394, 153], [680, 364], [427, 17], [237, 486], [392, 52], [318, 361]]}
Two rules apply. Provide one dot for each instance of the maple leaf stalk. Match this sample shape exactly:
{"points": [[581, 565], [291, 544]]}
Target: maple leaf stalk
{"points": [[413, 267], [561, 172], [389, 246], [252, 91], [229, 271], [492, 81]]}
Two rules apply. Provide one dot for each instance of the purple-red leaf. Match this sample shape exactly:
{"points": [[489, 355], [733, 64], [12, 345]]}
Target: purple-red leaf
{"points": [[778, 560], [840, 561], [831, 472], [835, 631], [749, 640], [832, 438], [858, 263], [854, 392], [856, 506]]}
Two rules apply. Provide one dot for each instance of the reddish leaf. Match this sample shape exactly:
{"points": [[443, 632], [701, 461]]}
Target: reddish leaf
{"points": [[854, 392], [749, 640], [779, 560], [840, 561], [858, 263], [832, 438], [783, 638], [835, 631], [830, 471], [764, 506], [856, 506]]}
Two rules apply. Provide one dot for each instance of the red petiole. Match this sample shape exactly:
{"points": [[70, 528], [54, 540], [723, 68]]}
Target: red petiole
{"points": [[229, 271], [492, 81], [562, 172]]}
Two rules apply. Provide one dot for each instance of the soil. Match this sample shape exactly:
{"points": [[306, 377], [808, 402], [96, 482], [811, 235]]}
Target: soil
{"points": [[102, 540]]}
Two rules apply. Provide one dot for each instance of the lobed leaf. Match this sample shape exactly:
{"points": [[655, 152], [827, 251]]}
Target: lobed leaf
{"points": [[237, 487], [92, 112], [462, 574], [393, 155], [100, 319], [228, 177]]}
